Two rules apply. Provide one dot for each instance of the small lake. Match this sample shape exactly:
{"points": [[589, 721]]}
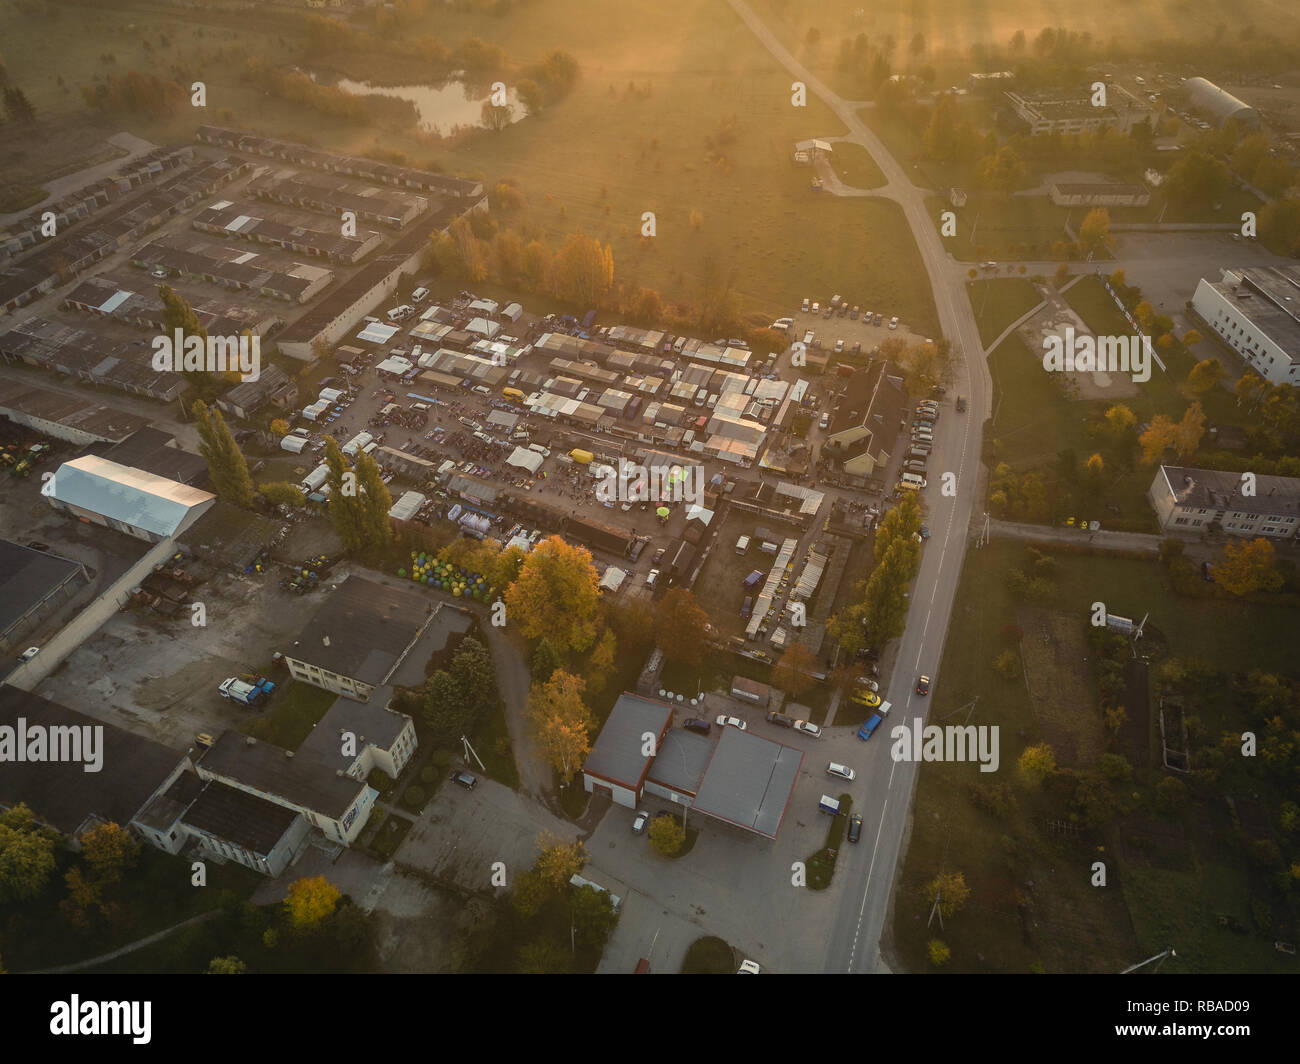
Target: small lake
{"points": [[441, 108]]}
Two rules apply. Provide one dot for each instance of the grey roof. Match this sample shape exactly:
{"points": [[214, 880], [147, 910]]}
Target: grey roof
{"points": [[377, 634], [151, 450], [250, 822], [749, 782], [617, 753], [682, 761], [371, 722], [267, 768], [27, 577], [169, 806], [62, 793], [1213, 489], [130, 496]]}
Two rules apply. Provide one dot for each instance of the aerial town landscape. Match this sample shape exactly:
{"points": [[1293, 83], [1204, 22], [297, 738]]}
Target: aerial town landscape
{"points": [[502, 486]]}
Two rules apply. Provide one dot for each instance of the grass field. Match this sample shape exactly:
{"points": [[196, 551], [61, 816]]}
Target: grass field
{"points": [[293, 714], [854, 166], [998, 303], [1061, 923]]}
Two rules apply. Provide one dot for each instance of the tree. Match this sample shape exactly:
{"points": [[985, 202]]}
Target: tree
{"points": [[230, 965], [545, 661], [1248, 567], [375, 502], [18, 106], [26, 855], [109, 850], [680, 627], [666, 835], [531, 96], [941, 134], [1157, 439], [178, 314], [227, 466], [949, 891], [938, 952], [1188, 432], [543, 956], [561, 721], [601, 662], [345, 504], [1120, 419], [558, 861], [593, 917], [1094, 232], [282, 493], [496, 117], [310, 901], [1007, 665], [279, 427], [1003, 171], [1205, 375], [793, 672], [583, 271], [556, 595], [1198, 179], [1037, 762], [1171, 795]]}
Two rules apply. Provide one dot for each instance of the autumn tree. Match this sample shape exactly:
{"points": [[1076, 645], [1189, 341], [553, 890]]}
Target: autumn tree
{"points": [[26, 854], [229, 965], [561, 721], [1205, 375], [345, 505], [1157, 439], [1002, 171], [558, 861], [556, 595], [279, 428], [1188, 432], [310, 901], [109, 851], [948, 891], [1094, 232], [601, 662], [593, 916], [679, 627], [793, 672], [666, 835], [1120, 419], [1037, 762], [282, 493], [227, 466], [1248, 567], [583, 271]]}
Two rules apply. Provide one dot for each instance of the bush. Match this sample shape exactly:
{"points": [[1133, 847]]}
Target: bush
{"points": [[414, 796], [440, 759], [1171, 795], [938, 952], [1115, 768], [428, 774], [995, 798]]}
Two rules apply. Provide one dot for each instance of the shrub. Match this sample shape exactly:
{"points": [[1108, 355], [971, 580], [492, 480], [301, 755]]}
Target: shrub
{"points": [[414, 796], [428, 774]]}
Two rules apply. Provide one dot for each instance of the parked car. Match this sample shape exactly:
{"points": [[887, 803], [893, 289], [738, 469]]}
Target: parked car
{"points": [[697, 724], [639, 822], [749, 968], [780, 718], [825, 422], [843, 771], [1207, 573], [868, 683], [29, 653], [652, 578], [734, 722], [923, 685], [804, 308], [865, 698], [855, 827], [961, 404], [925, 531], [464, 779], [893, 322], [658, 556], [869, 727], [808, 728], [828, 312], [816, 308], [854, 312]]}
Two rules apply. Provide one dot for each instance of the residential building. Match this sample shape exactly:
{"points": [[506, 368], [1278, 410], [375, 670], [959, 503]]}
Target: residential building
{"points": [[1189, 500]]}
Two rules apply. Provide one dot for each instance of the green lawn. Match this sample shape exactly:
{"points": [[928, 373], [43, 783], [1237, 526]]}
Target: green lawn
{"points": [[1068, 925], [854, 166], [293, 712], [999, 302]]}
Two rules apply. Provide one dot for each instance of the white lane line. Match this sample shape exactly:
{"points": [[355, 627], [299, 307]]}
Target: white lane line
{"points": [[866, 887]]}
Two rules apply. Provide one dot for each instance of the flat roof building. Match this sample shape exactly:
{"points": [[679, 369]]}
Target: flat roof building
{"points": [[141, 504], [33, 584], [1256, 312], [1187, 500]]}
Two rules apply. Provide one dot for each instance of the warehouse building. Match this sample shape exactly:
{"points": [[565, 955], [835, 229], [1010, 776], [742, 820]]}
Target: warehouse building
{"points": [[1256, 312]]}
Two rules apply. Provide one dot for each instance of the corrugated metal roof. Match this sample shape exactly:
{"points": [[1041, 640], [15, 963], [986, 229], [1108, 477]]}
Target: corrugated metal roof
{"points": [[129, 496]]}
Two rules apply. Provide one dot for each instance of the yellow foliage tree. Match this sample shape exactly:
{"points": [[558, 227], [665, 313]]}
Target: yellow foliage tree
{"points": [[556, 595], [310, 901], [561, 721], [1037, 762]]}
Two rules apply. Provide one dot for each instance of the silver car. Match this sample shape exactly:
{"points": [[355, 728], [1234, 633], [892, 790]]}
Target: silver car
{"points": [[808, 728], [843, 771]]}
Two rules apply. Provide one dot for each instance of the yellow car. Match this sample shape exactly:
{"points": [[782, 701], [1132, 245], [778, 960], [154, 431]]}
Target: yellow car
{"points": [[866, 698]]}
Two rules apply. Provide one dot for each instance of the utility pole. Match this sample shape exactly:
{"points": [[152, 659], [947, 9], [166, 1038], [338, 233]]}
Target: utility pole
{"points": [[470, 752]]}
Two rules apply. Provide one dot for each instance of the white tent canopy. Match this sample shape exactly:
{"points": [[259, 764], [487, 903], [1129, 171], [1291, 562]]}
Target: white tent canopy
{"points": [[525, 459]]}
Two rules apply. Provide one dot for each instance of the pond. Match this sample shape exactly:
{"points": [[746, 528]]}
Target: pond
{"points": [[440, 108]]}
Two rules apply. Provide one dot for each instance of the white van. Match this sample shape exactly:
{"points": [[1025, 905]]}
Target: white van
{"points": [[399, 313], [911, 482], [742, 544], [422, 408], [419, 295]]}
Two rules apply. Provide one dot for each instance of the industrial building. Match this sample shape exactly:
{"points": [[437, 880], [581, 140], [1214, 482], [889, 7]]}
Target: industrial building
{"points": [[1256, 312], [1219, 106]]}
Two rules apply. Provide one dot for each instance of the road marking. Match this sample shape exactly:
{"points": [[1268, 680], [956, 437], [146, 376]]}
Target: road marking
{"points": [[866, 887]]}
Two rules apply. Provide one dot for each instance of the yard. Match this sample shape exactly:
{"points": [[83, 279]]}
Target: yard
{"points": [[999, 302], [1060, 923], [291, 715]]}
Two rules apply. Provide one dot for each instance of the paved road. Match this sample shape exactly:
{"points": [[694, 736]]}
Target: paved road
{"points": [[884, 788]]}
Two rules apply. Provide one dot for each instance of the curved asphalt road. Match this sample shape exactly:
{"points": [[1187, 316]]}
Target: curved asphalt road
{"points": [[883, 791]]}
